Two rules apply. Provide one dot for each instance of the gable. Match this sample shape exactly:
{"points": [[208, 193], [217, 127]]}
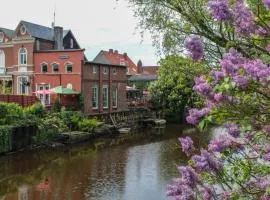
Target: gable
{"points": [[67, 37]]}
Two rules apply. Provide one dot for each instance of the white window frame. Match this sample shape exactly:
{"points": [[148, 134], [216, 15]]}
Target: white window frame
{"points": [[24, 58], [2, 62], [41, 67], [96, 98], [40, 96], [107, 96], [55, 63], [105, 69], [116, 97], [68, 63], [18, 86], [71, 43], [94, 69]]}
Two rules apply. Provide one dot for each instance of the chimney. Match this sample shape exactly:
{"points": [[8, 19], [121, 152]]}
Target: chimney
{"points": [[110, 50], [125, 55], [139, 67], [115, 52], [58, 37]]}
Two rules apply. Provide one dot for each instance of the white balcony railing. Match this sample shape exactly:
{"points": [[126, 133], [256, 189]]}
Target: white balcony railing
{"points": [[22, 68]]}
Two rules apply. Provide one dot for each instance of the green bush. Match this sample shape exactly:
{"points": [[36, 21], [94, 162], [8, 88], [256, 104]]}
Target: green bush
{"points": [[56, 105], [5, 138], [10, 113], [36, 109], [87, 125]]}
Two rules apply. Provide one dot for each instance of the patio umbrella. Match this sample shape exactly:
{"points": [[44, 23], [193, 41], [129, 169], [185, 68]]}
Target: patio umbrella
{"points": [[63, 90], [43, 92]]}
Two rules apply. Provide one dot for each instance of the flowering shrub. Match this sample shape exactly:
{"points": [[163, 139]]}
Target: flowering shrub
{"points": [[236, 163]]}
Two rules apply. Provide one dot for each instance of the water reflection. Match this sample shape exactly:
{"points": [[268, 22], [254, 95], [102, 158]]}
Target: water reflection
{"points": [[138, 169]]}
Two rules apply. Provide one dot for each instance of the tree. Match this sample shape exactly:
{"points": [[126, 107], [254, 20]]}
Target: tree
{"points": [[171, 21], [172, 92], [236, 163]]}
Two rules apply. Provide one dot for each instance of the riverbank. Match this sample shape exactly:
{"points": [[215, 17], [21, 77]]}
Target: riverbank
{"points": [[130, 166]]}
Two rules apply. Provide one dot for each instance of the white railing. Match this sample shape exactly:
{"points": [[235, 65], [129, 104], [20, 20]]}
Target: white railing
{"points": [[22, 68]]}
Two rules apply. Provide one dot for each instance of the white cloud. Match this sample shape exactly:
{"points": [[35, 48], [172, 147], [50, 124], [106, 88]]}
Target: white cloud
{"points": [[97, 24]]}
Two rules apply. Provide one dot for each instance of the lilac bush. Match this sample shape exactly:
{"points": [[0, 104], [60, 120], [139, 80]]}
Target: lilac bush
{"points": [[195, 47], [236, 163]]}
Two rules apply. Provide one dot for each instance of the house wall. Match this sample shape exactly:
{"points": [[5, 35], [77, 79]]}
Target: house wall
{"points": [[61, 77], [99, 79]]}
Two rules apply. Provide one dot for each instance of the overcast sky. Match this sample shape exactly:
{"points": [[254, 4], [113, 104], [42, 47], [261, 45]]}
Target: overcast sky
{"points": [[97, 24]]}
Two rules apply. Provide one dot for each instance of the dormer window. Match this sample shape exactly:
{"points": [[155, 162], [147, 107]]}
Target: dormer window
{"points": [[114, 70], [95, 69], [55, 67], [68, 67], [22, 56], [44, 67], [2, 37], [23, 30], [71, 43]]}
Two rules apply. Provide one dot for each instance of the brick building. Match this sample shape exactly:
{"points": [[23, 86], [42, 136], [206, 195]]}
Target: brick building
{"points": [[104, 88], [35, 57]]}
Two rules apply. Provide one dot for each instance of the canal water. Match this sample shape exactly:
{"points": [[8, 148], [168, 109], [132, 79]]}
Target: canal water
{"points": [[130, 167]]}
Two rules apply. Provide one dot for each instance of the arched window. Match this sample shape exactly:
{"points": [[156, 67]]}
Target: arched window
{"points": [[55, 67], [71, 43], [68, 67], [44, 67], [2, 62], [22, 56]]}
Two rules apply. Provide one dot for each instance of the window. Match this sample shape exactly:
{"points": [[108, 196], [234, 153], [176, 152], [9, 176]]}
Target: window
{"points": [[94, 69], [44, 67], [114, 98], [22, 85], [71, 43], [1, 36], [23, 30], [69, 67], [94, 97], [2, 62], [55, 68], [22, 56], [105, 70], [44, 98], [105, 97], [114, 70]]}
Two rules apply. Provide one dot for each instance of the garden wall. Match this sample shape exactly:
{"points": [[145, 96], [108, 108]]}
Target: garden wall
{"points": [[22, 100]]}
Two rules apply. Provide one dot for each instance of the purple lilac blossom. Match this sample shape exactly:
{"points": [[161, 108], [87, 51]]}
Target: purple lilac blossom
{"points": [[268, 48], [240, 81], [206, 192], [219, 97], [195, 47], [244, 20], [195, 114], [187, 145], [217, 75], [232, 129], [206, 162], [266, 3], [220, 10], [219, 144], [189, 175], [231, 62], [201, 86], [266, 129], [261, 31]]}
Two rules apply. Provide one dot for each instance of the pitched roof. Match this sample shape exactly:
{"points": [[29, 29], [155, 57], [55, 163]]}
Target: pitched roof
{"points": [[113, 58], [39, 31], [143, 77], [153, 66], [42, 32], [7, 32]]}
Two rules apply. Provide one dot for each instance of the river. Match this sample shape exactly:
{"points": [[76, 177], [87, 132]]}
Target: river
{"points": [[130, 167]]}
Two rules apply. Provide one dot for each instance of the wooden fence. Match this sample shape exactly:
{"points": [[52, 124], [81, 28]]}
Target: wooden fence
{"points": [[22, 100]]}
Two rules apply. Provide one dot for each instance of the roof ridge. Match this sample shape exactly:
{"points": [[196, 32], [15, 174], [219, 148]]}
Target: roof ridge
{"points": [[23, 21]]}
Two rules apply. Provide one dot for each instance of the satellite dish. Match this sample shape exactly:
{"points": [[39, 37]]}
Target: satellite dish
{"points": [[69, 86]]}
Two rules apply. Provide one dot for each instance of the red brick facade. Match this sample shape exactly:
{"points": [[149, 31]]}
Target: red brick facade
{"points": [[114, 77]]}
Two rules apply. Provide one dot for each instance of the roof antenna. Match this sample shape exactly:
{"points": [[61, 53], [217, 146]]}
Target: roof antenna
{"points": [[53, 23]]}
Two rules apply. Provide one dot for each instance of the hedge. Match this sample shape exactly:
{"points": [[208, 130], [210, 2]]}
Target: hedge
{"points": [[5, 138]]}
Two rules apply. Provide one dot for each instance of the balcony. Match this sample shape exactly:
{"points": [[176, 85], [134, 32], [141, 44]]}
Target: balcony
{"points": [[22, 68]]}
